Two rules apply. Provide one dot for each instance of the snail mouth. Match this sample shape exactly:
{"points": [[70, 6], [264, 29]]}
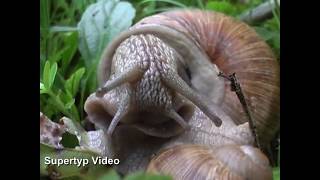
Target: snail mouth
{"points": [[153, 123], [97, 113], [168, 127]]}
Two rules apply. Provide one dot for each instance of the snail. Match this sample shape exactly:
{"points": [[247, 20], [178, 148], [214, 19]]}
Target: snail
{"points": [[160, 86], [223, 162]]}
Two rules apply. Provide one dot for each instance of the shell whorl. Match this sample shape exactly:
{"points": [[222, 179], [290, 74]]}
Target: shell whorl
{"points": [[235, 48], [222, 162]]}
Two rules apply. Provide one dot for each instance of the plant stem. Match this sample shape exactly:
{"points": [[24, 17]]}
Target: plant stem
{"points": [[259, 13]]}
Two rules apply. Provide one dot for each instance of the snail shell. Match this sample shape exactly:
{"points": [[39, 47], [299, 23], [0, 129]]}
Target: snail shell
{"points": [[205, 39], [233, 162], [206, 42], [235, 48]]}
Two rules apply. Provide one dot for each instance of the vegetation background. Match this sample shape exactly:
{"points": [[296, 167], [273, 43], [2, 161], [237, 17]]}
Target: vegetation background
{"points": [[69, 56]]}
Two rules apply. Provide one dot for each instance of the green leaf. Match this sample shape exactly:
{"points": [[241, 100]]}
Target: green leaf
{"points": [[69, 140], [279, 155], [276, 173], [276, 41], [42, 86], [43, 91], [46, 106], [200, 4], [58, 100], [55, 58], [72, 84], [111, 175], [100, 23], [49, 74], [44, 17], [53, 72], [143, 176], [264, 33], [69, 104], [223, 7], [71, 40], [46, 74]]}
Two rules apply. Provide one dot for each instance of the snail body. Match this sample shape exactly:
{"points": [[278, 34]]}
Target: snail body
{"points": [[160, 85], [148, 70]]}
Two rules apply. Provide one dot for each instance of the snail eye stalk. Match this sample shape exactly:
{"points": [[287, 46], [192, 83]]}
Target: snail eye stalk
{"points": [[132, 74]]}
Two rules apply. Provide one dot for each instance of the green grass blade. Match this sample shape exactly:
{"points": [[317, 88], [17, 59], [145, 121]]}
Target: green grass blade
{"points": [[176, 3], [200, 4], [53, 72], [62, 29], [44, 15], [46, 75]]}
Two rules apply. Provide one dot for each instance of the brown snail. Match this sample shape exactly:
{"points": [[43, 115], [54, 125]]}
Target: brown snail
{"points": [[222, 162], [160, 85]]}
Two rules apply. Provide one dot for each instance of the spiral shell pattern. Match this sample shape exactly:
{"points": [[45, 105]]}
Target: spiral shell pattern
{"points": [[235, 48]]}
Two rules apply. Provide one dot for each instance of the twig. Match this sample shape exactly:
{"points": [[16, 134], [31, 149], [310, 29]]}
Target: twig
{"points": [[261, 12], [235, 86]]}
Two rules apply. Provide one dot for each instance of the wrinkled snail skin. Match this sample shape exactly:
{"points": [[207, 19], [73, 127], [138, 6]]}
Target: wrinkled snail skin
{"points": [[230, 162], [145, 70], [160, 87]]}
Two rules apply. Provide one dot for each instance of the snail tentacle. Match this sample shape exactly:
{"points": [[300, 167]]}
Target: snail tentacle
{"points": [[128, 75], [213, 111], [123, 109]]}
